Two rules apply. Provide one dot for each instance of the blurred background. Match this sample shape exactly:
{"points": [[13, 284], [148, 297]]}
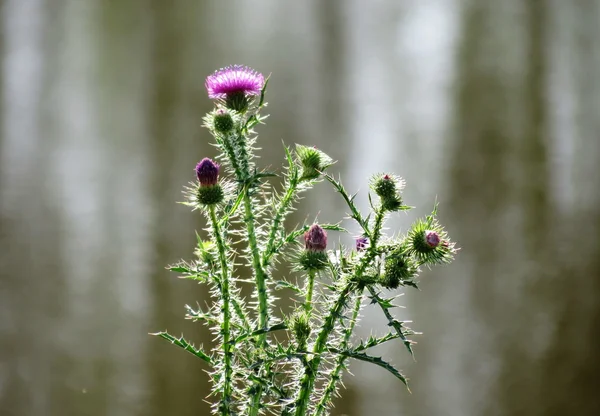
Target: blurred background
{"points": [[492, 107]]}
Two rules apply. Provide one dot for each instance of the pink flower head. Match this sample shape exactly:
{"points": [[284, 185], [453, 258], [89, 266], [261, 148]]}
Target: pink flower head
{"points": [[207, 172], [315, 238], [234, 79], [432, 239]]}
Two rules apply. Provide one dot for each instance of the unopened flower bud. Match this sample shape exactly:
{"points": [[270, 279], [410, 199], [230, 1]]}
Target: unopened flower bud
{"points": [[314, 256], [209, 191], [432, 239], [313, 161], [300, 325], [315, 239], [399, 267], [207, 172], [222, 121], [387, 187]]}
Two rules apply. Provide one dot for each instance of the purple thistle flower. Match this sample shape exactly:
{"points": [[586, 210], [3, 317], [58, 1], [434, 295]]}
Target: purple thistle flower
{"points": [[207, 172], [361, 243], [233, 80], [315, 239], [432, 238]]}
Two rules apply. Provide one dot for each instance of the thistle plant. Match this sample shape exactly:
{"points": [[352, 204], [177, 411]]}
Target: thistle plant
{"points": [[290, 365]]}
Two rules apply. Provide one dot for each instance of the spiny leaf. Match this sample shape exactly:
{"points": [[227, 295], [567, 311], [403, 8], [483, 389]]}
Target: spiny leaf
{"points": [[276, 327], [374, 341], [182, 343], [373, 360], [282, 284], [392, 322]]}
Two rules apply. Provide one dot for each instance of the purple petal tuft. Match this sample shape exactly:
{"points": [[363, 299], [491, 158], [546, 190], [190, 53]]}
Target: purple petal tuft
{"points": [[234, 79], [207, 172]]}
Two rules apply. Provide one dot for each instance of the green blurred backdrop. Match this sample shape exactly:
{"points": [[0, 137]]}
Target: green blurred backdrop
{"points": [[491, 106]]}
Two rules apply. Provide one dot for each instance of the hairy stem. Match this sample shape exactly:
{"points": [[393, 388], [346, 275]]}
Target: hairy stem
{"points": [[309, 291], [261, 288], [312, 366], [376, 232], [230, 152], [284, 204], [227, 354], [339, 366]]}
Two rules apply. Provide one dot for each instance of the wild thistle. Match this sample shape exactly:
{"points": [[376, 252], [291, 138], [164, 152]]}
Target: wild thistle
{"points": [[254, 372]]}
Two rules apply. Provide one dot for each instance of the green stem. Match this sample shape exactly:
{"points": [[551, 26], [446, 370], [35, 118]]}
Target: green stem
{"points": [[227, 368], [312, 366], [261, 288], [230, 151], [309, 291], [335, 375], [376, 233], [277, 219]]}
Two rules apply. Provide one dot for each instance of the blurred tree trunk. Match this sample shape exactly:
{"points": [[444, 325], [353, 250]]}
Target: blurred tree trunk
{"points": [[571, 364], [530, 329]]}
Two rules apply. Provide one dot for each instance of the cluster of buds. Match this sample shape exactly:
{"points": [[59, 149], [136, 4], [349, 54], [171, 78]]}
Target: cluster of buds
{"points": [[313, 161], [209, 191], [314, 257], [388, 188]]}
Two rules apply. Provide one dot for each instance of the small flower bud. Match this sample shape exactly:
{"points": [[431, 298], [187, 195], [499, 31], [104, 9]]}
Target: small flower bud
{"points": [[209, 191], [429, 243], [387, 187], [432, 239], [207, 172], [313, 161], [315, 238], [361, 243], [222, 121], [299, 324], [399, 267], [314, 256]]}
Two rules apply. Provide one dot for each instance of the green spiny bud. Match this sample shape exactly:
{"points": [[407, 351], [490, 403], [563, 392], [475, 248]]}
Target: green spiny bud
{"points": [[399, 267], [388, 188], [222, 121], [210, 195], [312, 160], [299, 324], [429, 243]]}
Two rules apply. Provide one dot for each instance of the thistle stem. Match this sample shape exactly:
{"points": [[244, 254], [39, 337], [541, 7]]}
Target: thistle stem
{"points": [[309, 291], [261, 288], [312, 366], [279, 213], [230, 152], [227, 354], [335, 375]]}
